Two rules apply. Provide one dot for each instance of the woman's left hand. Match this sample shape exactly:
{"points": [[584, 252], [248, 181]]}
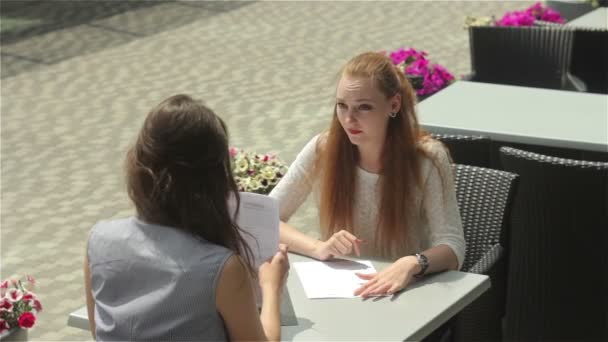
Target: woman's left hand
{"points": [[392, 279]]}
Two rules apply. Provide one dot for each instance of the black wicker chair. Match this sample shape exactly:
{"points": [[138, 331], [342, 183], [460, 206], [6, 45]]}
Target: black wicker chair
{"points": [[524, 56], [484, 198], [466, 149], [558, 260], [590, 58]]}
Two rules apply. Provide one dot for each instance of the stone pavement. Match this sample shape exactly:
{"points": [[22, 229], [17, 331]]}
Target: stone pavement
{"points": [[78, 77]]}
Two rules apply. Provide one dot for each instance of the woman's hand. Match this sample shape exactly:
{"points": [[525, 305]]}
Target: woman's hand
{"points": [[391, 280], [272, 274], [341, 243]]}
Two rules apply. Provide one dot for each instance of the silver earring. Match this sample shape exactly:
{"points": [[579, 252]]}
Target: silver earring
{"points": [[392, 114]]}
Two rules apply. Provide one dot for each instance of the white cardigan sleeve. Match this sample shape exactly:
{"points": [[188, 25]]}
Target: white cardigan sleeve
{"points": [[296, 185], [440, 205]]}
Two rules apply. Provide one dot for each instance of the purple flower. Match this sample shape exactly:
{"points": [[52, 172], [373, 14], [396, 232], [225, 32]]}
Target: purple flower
{"points": [[419, 67], [540, 12], [398, 56], [536, 10], [443, 72], [414, 63], [516, 18], [552, 16], [408, 56]]}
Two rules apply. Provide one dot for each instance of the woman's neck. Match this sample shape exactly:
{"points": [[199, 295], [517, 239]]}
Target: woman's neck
{"points": [[370, 157]]}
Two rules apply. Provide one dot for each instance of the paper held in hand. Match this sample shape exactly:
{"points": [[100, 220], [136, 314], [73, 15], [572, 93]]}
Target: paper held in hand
{"points": [[259, 219], [332, 279]]}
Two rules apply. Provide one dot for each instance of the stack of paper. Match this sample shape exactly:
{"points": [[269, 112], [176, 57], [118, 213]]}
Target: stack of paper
{"points": [[332, 279]]}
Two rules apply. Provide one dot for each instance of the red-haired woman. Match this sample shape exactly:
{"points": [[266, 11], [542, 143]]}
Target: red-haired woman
{"points": [[383, 187]]}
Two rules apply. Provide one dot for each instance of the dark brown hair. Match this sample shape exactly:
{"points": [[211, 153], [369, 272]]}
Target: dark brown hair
{"points": [[401, 160], [179, 173]]}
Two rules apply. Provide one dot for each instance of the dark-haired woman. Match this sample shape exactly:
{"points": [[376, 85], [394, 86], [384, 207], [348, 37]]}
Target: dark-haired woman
{"points": [[383, 187], [179, 269]]}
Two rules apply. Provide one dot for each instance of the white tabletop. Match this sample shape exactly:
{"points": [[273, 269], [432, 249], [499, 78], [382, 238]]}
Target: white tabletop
{"points": [[412, 315], [546, 117], [598, 18]]}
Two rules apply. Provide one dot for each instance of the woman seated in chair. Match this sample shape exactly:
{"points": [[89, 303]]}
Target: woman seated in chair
{"points": [[383, 187], [179, 269]]}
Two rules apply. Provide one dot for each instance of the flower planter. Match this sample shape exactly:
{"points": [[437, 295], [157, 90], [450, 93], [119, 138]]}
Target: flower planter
{"points": [[14, 334], [416, 81], [570, 9]]}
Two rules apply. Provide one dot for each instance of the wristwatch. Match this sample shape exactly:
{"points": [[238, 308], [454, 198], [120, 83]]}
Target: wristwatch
{"points": [[423, 261]]}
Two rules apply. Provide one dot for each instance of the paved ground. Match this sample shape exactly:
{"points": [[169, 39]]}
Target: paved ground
{"points": [[79, 76]]}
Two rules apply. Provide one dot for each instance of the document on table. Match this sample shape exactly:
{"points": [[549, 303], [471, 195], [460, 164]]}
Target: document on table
{"points": [[259, 219], [332, 279]]}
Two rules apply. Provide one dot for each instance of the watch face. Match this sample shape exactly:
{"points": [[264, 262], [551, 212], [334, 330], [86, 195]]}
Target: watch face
{"points": [[423, 261]]}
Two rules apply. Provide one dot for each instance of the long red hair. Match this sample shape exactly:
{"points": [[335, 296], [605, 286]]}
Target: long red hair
{"points": [[400, 176]]}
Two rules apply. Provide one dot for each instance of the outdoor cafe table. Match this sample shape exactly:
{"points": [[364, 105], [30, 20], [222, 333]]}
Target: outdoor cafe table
{"points": [[597, 18], [411, 315], [520, 115]]}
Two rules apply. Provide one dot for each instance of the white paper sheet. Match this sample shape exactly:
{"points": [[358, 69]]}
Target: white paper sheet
{"points": [[259, 219], [332, 279], [259, 216]]}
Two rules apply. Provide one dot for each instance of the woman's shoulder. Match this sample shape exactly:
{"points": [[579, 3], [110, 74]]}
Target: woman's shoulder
{"points": [[317, 142], [312, 148], [112, 228], [433, 150]]}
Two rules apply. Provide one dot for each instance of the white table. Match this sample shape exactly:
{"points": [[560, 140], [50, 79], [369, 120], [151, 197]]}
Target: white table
{"points": [[598, 18], [412, 315], [515, 114]]}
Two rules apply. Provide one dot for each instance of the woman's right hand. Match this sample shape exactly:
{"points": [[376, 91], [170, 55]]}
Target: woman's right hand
{"points": [[272, 274], [341, 243]]}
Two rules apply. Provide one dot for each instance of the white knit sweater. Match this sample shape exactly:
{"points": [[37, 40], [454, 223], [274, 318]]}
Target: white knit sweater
{"points": [[435, 220]]}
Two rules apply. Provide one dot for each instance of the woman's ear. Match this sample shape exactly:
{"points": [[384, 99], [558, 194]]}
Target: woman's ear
{"points": [[396, 103]]}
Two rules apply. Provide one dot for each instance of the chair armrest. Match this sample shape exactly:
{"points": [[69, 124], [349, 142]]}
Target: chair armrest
{"points": [[485, 264], [575, 83], [468, 77]]}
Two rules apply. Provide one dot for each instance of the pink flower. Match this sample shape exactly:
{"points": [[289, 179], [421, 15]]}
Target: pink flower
{"points": [[27, 297], [408, 56], [37, 305], [14, 295], [419, 67], [516, 18], [429, 86], [413, 62], [552, 16], [540, 12], [443, 72], [5, 305], [3, 287], [536, 10], [398, 56], [30, 280], [233, 151], [27, 320], [531, 14], [4, 325], [436, 77], [266, 158]]}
